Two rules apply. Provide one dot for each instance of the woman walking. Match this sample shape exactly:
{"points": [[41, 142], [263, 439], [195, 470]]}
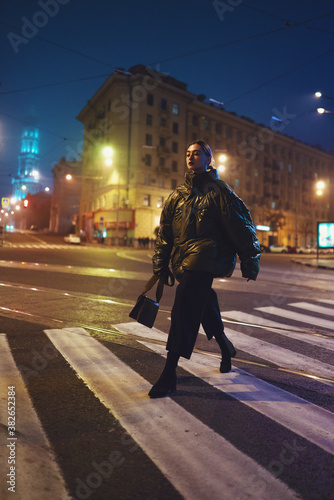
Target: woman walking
{"points": [[203, 225]]}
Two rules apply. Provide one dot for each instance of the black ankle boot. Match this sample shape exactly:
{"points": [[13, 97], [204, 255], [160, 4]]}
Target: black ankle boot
{"points": [[165, 385], [167, 380], [225, 365]]}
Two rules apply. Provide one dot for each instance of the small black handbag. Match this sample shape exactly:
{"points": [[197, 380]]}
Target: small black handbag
{"points": [[145, 311]]}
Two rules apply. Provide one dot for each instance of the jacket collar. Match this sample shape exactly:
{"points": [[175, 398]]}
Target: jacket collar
{"points": [[196, 180]]}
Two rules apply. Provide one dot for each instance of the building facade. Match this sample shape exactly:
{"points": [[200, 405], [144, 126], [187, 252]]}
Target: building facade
{"points": [[65, 200], [148, 119]]}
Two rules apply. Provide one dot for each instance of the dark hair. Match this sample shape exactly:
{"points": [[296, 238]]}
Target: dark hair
{"points": [[206, 149]]}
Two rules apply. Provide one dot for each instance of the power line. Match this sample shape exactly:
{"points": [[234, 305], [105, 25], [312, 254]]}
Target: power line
{"points": [[57, 44], [27, 123], [55, 84], [280, 76]]}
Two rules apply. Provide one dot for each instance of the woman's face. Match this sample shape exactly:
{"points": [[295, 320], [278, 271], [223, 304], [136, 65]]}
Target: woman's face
{"points": [[197, 160]]}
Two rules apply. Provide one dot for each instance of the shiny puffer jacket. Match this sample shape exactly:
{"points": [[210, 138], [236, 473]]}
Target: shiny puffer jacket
{"points": [[203, 225]]}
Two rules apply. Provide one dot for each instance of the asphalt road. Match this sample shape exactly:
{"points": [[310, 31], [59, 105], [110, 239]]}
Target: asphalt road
{"points": [[82, 368]]}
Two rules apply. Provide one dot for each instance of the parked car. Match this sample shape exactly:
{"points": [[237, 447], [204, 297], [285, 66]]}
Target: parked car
{"points": [[306, 250], [74, 239], [279, 248]]}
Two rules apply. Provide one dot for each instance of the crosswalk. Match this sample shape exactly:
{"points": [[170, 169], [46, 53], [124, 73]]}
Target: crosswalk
{"points": [[49, 246], [248, 439]]}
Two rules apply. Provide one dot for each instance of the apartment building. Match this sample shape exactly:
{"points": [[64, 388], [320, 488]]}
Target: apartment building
{"points": [[136, 130]]}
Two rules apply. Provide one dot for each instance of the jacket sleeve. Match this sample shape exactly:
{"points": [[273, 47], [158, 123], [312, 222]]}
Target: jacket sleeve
{"points": [[164, 243], [239, 226]]}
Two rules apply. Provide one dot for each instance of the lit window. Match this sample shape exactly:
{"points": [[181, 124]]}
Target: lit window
{"points": [[175, 109], [160, 202], [147, 200]]}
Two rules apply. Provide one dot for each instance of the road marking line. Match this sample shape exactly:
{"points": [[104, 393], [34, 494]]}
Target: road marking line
{"points": [[326, 343], [298, 415], [37, 473], [279, 355], [313, 307], [194, 462], [303, 318]]}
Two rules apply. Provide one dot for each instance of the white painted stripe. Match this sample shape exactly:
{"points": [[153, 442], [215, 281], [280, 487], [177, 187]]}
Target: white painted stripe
{"points": [[313, 307], [282, 357], [303, 318], [300, 416], [327, 301], [37, 473], [194, 462], [258, 320], [325, 343]]}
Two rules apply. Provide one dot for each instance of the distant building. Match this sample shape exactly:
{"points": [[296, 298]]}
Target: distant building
{"points": [[28, 178], [148, 119], [65, 196]]}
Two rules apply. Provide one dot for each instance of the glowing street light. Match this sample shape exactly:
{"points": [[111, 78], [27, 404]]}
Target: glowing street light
{"points": [[320, 186], [108, 153], [68, 177]]}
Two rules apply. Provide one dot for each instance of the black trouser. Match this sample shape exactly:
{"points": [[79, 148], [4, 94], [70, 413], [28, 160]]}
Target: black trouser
{"points": [[195, 303]]}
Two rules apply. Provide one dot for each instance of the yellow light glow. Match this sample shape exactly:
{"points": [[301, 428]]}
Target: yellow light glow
{"points": [[318, 94], [23, 188], [319, 192], [107, 151], [321, 111], [320, 185], [68, 177], [222, 158], [108, 162], [221, 168]]}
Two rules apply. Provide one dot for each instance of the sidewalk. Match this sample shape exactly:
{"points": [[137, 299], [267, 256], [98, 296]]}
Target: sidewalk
{"points": [[323, 262]]}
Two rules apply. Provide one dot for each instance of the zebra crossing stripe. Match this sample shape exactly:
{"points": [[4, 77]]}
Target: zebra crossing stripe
{"points": [[293, 412], [280, 356], [313, 307], [195, 464], [37, 473], [286, 330], [305, 419], [303, 318]]}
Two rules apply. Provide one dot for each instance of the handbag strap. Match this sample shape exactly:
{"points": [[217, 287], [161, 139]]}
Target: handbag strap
{"points": [[168, 280]]}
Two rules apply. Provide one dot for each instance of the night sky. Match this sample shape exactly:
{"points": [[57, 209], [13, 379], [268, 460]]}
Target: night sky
{"points": [[260, 58]]}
